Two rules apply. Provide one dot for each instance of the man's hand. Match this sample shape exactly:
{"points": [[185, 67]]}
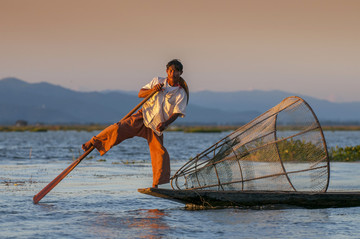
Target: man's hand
{"points": [[158, 87], [161, 127], [145, 92]]}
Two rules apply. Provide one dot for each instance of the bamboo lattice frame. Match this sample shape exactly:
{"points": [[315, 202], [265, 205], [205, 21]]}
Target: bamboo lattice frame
{"points": [[283, 149]]}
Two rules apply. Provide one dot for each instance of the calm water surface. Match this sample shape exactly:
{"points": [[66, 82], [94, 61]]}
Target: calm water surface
{"points": [[99, 199]]}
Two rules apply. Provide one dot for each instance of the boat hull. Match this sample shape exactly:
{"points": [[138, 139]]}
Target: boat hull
{"points": [[214, 199]]}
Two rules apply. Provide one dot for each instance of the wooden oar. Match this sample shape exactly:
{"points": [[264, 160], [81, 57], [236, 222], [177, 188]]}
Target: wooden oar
{"points": [[62, 175]]}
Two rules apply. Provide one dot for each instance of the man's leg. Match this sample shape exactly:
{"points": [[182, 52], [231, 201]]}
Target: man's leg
{"points": [[116, 133], [160, 160]]}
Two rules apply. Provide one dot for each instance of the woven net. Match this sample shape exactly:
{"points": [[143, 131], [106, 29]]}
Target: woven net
{"points": [[283, 149]]}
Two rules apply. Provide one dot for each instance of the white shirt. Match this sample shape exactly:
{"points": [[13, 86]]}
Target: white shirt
{"points": [[162, 105]]}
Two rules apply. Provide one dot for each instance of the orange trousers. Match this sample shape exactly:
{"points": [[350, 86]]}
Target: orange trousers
{"points": [[134, 126]]}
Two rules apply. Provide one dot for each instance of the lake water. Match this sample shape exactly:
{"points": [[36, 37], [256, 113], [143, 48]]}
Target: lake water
{"points": [[99, 199]]}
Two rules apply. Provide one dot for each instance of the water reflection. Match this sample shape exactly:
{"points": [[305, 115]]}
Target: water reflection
{"points": [[150, 223], [144, 223]]}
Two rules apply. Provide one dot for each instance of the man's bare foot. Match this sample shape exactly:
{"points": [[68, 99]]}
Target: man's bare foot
{"points": [[86, 146]]}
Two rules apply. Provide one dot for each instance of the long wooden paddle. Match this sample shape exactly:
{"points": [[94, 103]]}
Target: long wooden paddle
{"points": [[62, 175]]}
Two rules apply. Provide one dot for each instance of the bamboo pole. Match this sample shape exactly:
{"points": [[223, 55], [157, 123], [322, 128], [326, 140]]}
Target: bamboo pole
{"points": [[64, 173]]}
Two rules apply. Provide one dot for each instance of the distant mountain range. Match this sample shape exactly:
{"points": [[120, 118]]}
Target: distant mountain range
{"points": [[51, 104]]}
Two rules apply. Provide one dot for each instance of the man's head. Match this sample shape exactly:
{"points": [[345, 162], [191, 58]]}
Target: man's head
{"points": [[174, 71], [176, 63]]}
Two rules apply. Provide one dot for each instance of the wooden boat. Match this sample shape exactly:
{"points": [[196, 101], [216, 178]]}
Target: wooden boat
{"points": [[260, 165], [202, 199]]}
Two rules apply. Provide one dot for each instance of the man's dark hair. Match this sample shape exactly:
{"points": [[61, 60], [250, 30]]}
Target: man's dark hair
{"points": [[176, 63]]}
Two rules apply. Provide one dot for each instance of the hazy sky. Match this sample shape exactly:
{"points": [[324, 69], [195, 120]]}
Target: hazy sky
{"points": [[309, 47]]}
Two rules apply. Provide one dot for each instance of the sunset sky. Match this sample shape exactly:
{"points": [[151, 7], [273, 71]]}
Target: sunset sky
{"points": [[309, 47]]}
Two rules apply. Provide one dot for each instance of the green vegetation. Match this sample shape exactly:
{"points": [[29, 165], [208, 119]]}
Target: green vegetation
{"points": [[341, 128], [202, 130], [289, 151], [346, 154], [301, 151]]}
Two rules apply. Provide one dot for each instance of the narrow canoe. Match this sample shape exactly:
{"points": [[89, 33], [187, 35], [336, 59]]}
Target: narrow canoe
{"points": [[214, 199]]}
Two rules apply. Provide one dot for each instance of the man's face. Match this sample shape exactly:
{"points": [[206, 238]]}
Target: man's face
{"points": [[173, 73]]}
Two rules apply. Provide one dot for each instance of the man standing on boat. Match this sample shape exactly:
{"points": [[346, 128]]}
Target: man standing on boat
{"points": [[156, 115]]}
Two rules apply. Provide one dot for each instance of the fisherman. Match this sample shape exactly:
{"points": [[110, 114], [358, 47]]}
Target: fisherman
{"points": [[156, 115]]}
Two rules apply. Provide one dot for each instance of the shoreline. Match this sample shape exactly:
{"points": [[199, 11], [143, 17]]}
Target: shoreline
{"points": [[336, 154], [186, 129]]}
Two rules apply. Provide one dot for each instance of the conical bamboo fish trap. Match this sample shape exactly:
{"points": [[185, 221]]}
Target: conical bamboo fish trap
{"points": [[283, 149]]}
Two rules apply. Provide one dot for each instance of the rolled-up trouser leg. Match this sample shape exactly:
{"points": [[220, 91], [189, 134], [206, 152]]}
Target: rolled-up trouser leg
{"points": [[160, 159], [128, 128], [116, 133]]}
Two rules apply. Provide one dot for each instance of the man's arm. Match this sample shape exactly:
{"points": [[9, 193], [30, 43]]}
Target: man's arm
{"points": [[163, 125], [145, 92]]}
